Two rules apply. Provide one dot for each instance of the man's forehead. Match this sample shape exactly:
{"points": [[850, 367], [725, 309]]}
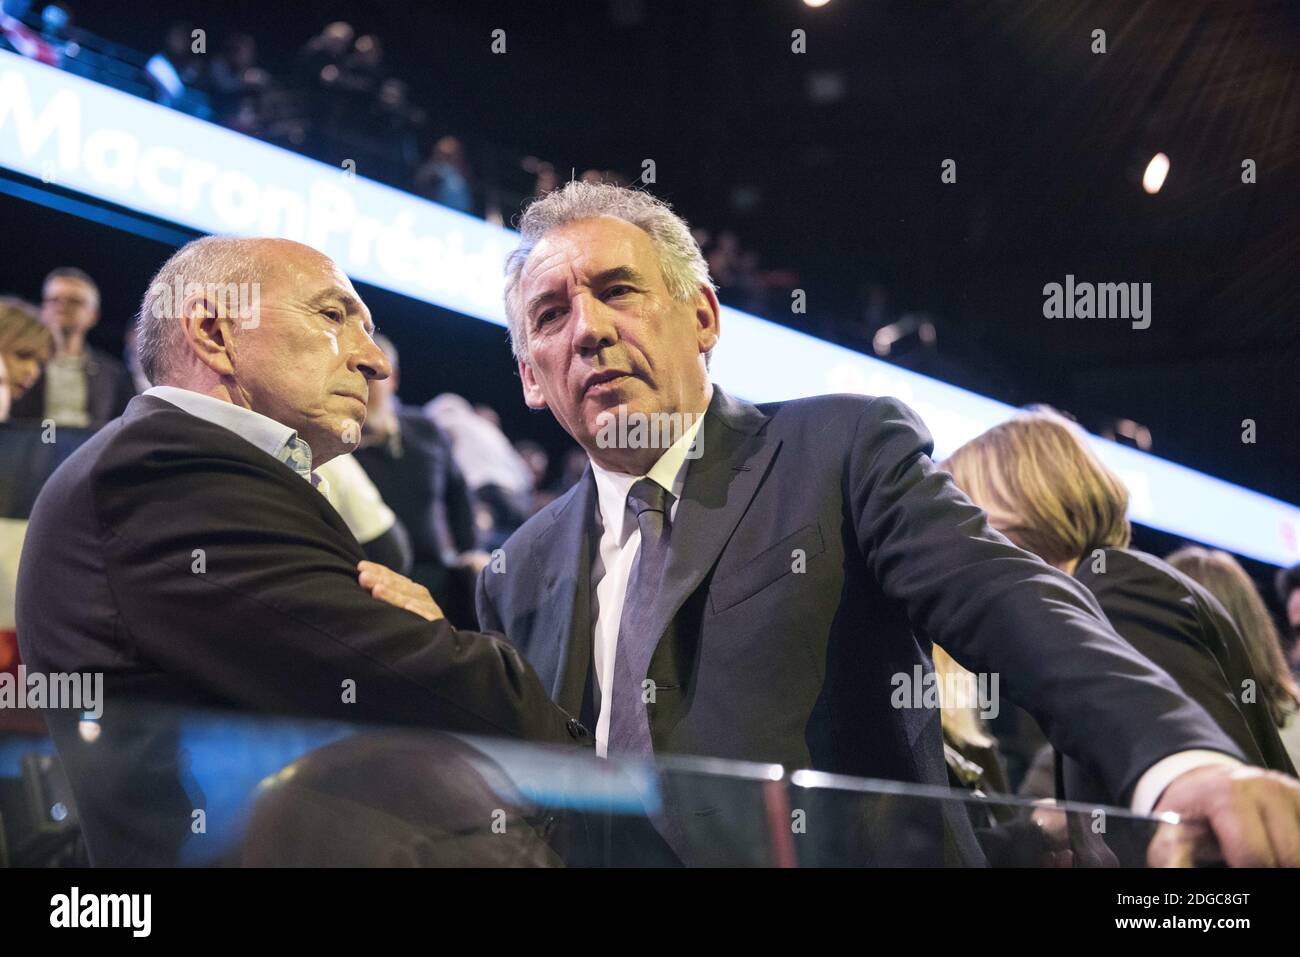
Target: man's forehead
{"points": [[320, 282], [70, 281], [585, 248], [307, 279]]}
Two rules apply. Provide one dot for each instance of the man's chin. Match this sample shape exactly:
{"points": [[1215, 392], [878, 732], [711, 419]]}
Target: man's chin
{"points": [[337, 435]]}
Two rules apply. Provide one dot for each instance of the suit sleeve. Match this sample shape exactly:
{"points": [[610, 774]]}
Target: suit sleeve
{"points": [[1157, 616], [227, 575], [1000, 610]]}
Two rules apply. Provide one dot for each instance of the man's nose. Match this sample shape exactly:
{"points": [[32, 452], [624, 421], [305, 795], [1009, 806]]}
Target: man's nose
{"points": [[370, 361], [595, 326]]}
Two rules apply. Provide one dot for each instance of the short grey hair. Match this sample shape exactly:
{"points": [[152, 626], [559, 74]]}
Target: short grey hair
{"points": [[208, 260], [680, 259]]}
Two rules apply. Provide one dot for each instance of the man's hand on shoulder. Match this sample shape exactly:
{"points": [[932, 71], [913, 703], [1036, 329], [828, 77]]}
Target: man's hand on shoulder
{"points": [[1254, 815], [386, 585]]}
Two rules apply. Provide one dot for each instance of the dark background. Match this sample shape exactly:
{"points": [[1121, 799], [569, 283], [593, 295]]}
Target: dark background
{"points": [[1049, 139]]}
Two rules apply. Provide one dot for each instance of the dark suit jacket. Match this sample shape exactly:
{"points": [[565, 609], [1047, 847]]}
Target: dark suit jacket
{"points": [[108, 389], [769, 663], [1180, 626], [273, 621]]}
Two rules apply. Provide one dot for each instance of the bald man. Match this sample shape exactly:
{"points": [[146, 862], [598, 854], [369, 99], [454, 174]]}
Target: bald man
{"points": [[186, 554]]}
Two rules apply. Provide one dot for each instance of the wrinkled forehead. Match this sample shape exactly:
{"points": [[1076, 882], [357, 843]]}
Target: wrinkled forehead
{"points": [[299, 271], [309, 278], [576, 252]]}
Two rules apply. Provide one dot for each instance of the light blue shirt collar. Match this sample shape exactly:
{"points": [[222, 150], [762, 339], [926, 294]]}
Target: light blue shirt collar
{"points": [[274, 438]]}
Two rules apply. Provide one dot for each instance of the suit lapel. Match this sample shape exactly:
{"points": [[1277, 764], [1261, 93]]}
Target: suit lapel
{"points": [[563, 556], [719, 487]]}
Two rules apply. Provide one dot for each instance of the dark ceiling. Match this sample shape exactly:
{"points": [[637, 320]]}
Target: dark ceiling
{"points": [[1049, 140]]}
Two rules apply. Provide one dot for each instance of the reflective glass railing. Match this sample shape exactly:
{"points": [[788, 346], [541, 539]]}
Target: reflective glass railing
{"points": [[181, 788]]}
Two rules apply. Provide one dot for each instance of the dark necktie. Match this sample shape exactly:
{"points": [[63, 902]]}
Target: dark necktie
{"points": [[629, 722]]}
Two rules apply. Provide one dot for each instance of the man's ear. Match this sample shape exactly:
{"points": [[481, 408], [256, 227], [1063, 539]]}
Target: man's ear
{"points": [[207, 334], [708, 327], [533, 397]]}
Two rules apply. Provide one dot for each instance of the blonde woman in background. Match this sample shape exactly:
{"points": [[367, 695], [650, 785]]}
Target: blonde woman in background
{"points": [[1043, 487], [1223, 577], [25, 345]]}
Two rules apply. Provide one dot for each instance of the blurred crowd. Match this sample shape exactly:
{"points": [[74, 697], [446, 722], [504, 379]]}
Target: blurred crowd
{"points": [[339, 99]]}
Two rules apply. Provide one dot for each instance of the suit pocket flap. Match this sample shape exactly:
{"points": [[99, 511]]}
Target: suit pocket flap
{"points": [[765, 568]]}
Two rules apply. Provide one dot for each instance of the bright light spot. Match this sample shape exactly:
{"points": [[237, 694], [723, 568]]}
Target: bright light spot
{"points": [[815, 3], [1156, 172]]}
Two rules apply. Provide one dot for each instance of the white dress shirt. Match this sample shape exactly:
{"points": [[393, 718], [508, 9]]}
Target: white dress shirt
{"points": [[620, 543]]}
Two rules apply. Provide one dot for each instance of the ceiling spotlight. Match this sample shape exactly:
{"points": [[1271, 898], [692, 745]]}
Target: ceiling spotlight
{"points": [[1155, 174], [815, 3]]}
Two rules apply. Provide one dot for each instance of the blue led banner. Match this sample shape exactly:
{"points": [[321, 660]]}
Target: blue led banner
{"points": [[94, 140]]}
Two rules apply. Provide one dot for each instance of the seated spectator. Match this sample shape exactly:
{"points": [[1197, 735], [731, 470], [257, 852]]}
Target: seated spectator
{"points": [[363, 70], [26, 346], [378, 531], [178, 47], [82, 386], [410, 461], [445, 177], [611, 177], [499, 480], [546, 178], [1044, 488], [399, 124], [1227, 581], [322, 56], [235, 79], [539, 465]]}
